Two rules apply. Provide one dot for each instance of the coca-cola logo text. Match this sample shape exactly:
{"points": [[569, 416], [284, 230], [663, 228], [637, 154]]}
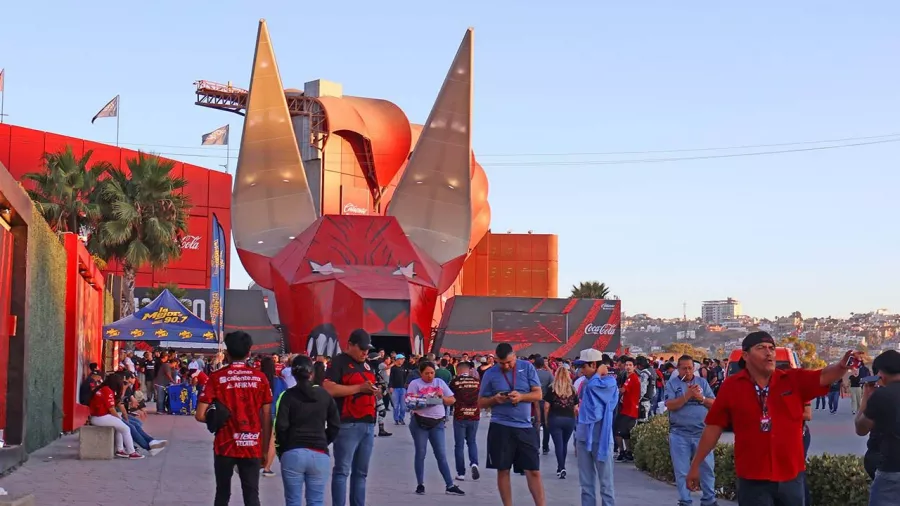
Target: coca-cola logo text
{"points": [[599, 330], [191, 242], [351, 208]]}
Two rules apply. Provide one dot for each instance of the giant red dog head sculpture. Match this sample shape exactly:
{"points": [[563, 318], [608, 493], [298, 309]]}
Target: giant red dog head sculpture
{"points": [[335, 273]]}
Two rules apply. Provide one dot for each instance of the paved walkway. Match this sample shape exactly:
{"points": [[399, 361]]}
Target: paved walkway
{"points": [[182, 475]]}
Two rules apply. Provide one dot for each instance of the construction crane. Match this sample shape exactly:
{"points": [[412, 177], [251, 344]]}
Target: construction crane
{"points": [[227, 97]]}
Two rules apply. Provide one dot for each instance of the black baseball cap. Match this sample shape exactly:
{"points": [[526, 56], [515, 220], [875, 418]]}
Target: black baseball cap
{"points": [[752, 339], [361, 339]]}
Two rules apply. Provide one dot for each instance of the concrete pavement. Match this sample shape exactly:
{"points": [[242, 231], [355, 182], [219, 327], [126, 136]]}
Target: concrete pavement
{"points": [[182, 475]]}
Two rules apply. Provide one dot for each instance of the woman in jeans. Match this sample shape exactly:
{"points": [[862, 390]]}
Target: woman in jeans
{"points": [[267, 367], [426, 398], [103, 414], [306, 422], [559, 410]]}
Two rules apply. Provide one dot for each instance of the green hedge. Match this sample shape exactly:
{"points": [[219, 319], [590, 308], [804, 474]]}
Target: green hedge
{"points": [[834, 480], [45, 332]]}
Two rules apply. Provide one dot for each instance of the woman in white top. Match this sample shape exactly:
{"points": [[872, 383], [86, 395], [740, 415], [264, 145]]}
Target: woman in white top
{"points": [[426, 398]]}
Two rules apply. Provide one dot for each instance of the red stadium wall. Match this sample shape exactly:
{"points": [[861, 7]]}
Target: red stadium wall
{"points": [[21, 150]]}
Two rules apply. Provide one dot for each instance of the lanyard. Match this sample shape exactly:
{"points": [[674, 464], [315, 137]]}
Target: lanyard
{"points": [[762, 395], [512, 384]]}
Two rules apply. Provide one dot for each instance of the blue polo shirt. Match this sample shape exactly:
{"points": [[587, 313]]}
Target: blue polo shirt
{"points": [[689, 421], [522, 378]]}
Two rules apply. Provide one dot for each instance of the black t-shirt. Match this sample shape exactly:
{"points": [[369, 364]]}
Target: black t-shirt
{"points": [[561, 406], [346, 371], [883, 408]]}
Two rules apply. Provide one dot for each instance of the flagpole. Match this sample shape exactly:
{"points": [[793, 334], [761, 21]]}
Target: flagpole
{"points": [[118, 113]]}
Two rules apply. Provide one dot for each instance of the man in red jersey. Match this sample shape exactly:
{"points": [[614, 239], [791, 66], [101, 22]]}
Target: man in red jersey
{"points": [[245, 393], [628, 410]]}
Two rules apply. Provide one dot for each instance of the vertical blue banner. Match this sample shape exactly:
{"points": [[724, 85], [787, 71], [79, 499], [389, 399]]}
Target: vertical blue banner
{"points": [[217, 279]]}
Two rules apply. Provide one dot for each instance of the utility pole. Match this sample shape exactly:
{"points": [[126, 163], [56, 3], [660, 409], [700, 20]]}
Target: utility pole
{"points": [[684, 319]]}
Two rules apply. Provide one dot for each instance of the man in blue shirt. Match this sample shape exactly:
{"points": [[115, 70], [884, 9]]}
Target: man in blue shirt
{"points": [[688, 399], [508, 389]]}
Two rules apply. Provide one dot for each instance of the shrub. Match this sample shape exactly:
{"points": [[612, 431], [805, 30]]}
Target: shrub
{"points": [[834, 480], [837, 479]]}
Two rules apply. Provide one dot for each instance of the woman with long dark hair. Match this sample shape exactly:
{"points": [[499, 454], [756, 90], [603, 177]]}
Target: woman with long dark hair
{"points": [[306, 422], [318, 373], [103, 414], [426, 398]]}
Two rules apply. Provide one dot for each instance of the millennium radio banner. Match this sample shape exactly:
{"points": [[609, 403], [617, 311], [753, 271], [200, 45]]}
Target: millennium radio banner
{"points": [[217, 279]]}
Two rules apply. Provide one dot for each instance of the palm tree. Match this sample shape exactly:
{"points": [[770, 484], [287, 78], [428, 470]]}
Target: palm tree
{"points": [[144, 216], [65, 191], [590, 290]]}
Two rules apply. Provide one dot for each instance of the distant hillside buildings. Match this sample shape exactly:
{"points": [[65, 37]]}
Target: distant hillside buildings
{"points": [[718, 311]]}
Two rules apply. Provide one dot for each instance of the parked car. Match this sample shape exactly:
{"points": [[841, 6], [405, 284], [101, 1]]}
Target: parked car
{"points": [[785, 358]]}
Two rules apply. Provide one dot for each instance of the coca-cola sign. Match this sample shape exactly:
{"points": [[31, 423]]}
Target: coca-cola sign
{"points": [[351, 208], [599, 330], [191, 242]]}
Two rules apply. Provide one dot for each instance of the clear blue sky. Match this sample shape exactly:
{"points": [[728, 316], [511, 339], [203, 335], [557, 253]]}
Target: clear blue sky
{"points": [[810, 231]]}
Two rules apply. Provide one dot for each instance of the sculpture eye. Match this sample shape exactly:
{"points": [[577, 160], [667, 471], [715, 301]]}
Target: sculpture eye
{"points": [[408, 271], [325, 270]]}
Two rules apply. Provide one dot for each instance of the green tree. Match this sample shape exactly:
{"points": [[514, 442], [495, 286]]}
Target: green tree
{"points": [[590, 290], [144, 217], [177, 291], [65, 190], [679, 349], [806, 350]]}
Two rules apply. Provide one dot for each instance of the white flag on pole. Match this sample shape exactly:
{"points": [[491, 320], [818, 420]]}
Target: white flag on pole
{"points": [[110, 110], [218, 137]]}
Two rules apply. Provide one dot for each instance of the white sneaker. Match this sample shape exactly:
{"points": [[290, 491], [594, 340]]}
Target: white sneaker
{"points": [[158, 444], [155, 451], [460, 478]]}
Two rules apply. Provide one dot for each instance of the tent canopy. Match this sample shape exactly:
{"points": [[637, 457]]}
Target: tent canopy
{"points": [[164, 319]]}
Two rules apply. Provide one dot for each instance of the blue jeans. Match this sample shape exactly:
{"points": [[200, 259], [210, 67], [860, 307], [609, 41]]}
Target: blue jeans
{"points": [[399, 400], [682, 450], [421, 438], [833, 399], [352, 452], [140, 437], [302, 466], [589, 471], [885, 489], [660, 396], [561, 429], [464, 432]]}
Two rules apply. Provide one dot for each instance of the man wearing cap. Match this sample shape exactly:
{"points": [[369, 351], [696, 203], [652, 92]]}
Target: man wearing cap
{"points": [[397, 388], [878, 412], [597, 399], [351, 381], [764, 406]]}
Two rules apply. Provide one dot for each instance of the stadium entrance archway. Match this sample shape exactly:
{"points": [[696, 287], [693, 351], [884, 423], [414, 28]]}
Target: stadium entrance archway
{"points": [[388, 343]]}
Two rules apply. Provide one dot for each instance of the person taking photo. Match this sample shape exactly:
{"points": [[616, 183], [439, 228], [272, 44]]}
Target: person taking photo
{"points": [[878, 413]]}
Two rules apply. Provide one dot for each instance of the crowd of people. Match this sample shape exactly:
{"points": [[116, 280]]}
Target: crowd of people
{"points": [[319, 417]]}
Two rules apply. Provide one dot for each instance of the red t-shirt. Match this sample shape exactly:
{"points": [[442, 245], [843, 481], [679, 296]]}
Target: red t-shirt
{"points": [[278, 368], [202, 379], [631, 396], [244, 391], [102, 401], [776, 455]]}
